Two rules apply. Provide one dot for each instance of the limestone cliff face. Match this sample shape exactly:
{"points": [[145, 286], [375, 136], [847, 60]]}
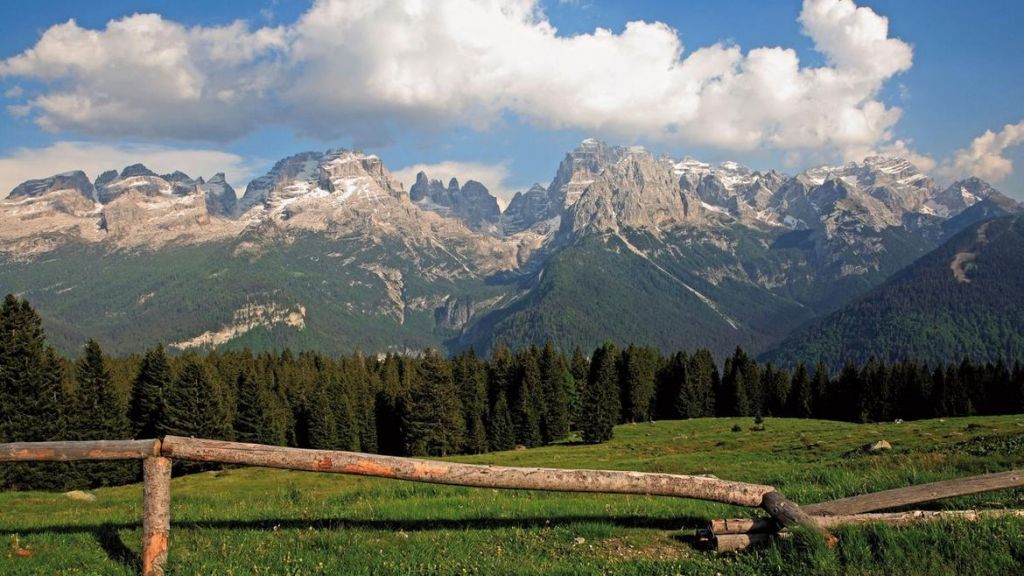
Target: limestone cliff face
{"points": [[472, 202]]}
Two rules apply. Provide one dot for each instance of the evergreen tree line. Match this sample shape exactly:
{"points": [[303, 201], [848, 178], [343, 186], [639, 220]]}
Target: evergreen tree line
{"points": [[429, 404]]}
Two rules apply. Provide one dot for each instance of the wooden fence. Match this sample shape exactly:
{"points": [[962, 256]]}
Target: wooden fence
{"points": [[730, 534]]}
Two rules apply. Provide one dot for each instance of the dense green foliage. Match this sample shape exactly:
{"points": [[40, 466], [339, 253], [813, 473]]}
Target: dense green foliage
{"points": [[430, 405], [963, 299]]}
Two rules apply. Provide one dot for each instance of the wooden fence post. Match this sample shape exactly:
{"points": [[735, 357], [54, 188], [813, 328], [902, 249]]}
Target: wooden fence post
{"points": [[156, 514]]}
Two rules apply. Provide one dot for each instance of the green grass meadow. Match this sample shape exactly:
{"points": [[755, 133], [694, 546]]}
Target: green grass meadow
{"points": [[257, 521]]}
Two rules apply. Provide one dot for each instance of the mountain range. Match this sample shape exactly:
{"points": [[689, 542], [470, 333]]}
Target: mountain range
{"points": [[329, 251]]}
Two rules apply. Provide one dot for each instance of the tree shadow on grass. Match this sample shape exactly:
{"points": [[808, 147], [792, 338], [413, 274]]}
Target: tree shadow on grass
{"points": [[107, 534], [110, 541]]}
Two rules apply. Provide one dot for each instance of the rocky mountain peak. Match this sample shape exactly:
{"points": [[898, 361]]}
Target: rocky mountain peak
{"points": [[297, 167], [76, 181], [472, 202], [631, 189], [137, 178], [221, 199], [137, 170]]}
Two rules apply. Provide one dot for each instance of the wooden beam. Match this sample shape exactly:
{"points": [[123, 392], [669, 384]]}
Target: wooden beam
{"points": [[768, 525], [79, 450], [457, 474], [911, 495], [737, 542], [156, 514], [788, 514]]}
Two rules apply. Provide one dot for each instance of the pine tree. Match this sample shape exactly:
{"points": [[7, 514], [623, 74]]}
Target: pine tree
{"points": [[254, 421], [580, 368], [734, 399], [193, 405], [390, 407], [364, 386], [321, 427], [601, 403], [435, 424], [32, 399], [701, 382], [821, 391], [153, 377], [637, 372], [501, 435], [846, 398], [471, 380], [99, 415], [1015, 403], [775, 386], [525, 417], [345, 425], [670, 393], [800, 402], [556, 381]]}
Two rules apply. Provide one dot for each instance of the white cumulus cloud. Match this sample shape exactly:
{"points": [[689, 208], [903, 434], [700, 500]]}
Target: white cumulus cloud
{"points": [[984, 157], [369, 69], [23, 164]]}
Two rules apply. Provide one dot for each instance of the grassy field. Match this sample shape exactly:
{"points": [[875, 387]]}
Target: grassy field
{"points": [[254, 521]]}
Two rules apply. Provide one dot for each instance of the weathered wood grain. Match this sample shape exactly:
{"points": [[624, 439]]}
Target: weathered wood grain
{"points": [[156, 514], [787, 514], [457, 474], [79, 450], [919, 494], [767, 525]]}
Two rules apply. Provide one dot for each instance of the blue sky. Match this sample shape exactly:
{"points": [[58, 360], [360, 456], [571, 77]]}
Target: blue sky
{"points": [[953, 70]]}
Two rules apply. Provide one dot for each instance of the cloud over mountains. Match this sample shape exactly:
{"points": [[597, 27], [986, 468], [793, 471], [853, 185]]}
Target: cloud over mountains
{"points": [[366, 68]]}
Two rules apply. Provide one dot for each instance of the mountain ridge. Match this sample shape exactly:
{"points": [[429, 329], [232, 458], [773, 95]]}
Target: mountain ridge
{"points": [[753, 254]]}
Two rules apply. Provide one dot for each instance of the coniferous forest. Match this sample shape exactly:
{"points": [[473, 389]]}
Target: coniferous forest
{"points": [[430, 405]]}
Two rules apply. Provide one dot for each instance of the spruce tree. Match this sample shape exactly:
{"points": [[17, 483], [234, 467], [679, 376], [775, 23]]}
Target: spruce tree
{"points": [[820, 385], [670, 388], [390, 407], [800, 402], [254, 420], [345, 424], [580, 368], [192, 404], [321, 426], [556, 382], [32, 399], [501, 434], [637, 372], [435, 425], [153, 377], [99, 415], [734, 399], [471, 380], [775, 386], [701, 382], [525, 417], [601, 405]]}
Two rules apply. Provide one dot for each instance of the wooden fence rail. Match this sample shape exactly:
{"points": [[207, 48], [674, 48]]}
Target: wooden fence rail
{"points": [[158, 454]]}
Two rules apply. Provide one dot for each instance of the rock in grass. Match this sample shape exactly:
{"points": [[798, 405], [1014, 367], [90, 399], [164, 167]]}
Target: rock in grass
{"points": [[79, 496], [880, 446]]}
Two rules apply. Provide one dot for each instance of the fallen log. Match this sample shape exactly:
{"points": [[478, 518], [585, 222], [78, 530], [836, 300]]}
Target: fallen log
{"points": [[737, 542], [769, 525], [920, 494], [458, 474], [786, 513], [79, 450]]}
